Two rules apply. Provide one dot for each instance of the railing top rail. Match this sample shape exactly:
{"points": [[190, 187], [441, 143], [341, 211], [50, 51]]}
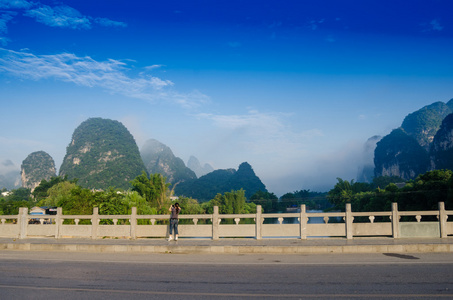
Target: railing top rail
{"points": [[283, 215], [76, 216], [369, 214], [322, 214], [203, 216], [9, 216], [420, 213], [232, 216], [166, 217]]}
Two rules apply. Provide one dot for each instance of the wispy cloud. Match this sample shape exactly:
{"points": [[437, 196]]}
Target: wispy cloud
{"points": [[263, 132], [15, 4], [109, 23], [5, 18], [59, 16], [62, 16], [110, 75], [153, 67]]}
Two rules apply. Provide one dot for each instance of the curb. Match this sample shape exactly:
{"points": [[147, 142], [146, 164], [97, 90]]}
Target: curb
{"points": [[175, 249]]}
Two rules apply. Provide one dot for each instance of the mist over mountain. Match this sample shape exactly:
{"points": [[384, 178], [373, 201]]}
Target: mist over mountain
{"points": [[220, 181], [159, 158], [9, 175], [194, 164], [36, 167], [366, 170], [102, 154], [421, 144]]}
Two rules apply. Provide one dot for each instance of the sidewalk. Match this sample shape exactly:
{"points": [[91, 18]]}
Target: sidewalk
{"points": [[233, 245]]}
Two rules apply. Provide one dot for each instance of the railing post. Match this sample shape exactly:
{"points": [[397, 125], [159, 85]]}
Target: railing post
{"points": [[303, 222], [348, 221], [94, 223], [258, 222], [133, 221], [395, 220], [215, 223], [58, 222], [23, 222], [442, 220]]}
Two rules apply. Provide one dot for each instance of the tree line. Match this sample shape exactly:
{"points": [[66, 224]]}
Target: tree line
{"points": [[421, 193], [151, 194]]}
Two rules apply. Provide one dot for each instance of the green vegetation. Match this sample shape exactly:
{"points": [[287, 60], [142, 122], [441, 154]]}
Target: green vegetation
{"points": [[441, 148], [153, 189], [222, 181], [36, 167], [399, 152], [425, 122], [102, 154], [10, 204], [149, 194], [423, 193]]}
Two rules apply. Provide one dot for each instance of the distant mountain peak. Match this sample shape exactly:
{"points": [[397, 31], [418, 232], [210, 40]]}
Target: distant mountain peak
{"points": [[194, 164], [220, 181], [37, 166], [159, 158]]}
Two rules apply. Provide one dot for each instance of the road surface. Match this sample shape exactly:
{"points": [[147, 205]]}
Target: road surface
{"points": [[67, 275]]}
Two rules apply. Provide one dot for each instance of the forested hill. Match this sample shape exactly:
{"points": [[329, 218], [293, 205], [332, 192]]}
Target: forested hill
{"points": [[36, 167], [220, 181], [416, 147], [102, 154]]}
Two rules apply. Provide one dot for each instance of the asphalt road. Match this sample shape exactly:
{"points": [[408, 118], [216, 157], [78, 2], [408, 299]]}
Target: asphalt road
{"points": [[64, 275]]}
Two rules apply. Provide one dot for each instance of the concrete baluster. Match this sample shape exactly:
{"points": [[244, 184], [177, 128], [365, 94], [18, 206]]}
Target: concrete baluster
{"points": [[348, 222], [133, 221], [442, 220], [215, 223], [258, 222], [395, 220], [303, 220], [58, 222], [23, 222], [95, 223]]}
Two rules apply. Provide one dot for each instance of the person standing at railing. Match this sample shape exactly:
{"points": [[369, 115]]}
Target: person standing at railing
{"points": [[175, 210]]}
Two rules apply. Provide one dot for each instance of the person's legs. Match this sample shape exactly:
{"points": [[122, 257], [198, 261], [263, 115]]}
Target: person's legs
{"points": [[176, 229], [172, 224]]}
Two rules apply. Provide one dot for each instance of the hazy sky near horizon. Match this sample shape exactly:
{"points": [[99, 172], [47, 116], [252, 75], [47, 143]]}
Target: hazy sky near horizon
{"points": [[294, 87]]}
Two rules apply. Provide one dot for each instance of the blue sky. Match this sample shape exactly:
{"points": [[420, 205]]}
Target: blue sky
{"points": [[295, 88]]}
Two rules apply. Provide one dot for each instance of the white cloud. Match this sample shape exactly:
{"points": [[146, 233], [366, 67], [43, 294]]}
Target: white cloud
{"points": [[59, 16], [263, 133], [111, 75], [4, 40], [153, 67], [109, 23], [15, 4], [5, 18]]}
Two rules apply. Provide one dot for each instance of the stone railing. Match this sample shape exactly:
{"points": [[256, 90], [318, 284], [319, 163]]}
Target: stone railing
{"points": [[260, 225]]}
